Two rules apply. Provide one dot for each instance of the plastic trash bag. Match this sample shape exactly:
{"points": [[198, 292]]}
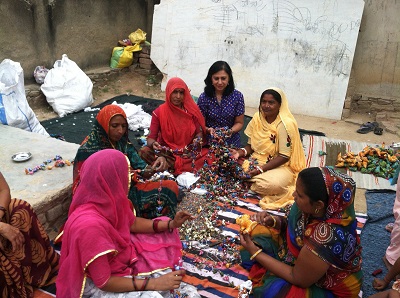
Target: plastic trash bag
{"points": [[138, 36], [14, 108], [40, 73], [123, 56], [67, 88]]}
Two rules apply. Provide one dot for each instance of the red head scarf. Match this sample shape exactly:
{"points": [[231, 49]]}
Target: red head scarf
{"points": [[178, 127], [98, 223]]}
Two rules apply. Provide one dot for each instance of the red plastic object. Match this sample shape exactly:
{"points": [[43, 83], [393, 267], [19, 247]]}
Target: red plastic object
{"points": [[377, 271]]}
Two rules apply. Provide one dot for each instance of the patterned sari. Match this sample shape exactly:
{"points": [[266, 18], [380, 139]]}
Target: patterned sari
{"points": [[333, 238], [36, 264], [267, 140], [145, 196]]}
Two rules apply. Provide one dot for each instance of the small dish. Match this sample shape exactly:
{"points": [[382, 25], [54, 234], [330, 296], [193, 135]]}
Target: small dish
{"points": [[21, 156]]}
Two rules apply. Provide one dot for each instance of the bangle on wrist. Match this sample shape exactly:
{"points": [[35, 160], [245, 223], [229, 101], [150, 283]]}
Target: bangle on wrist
{"points": [[274, 219], [133, 283], [155, 225], [144, 284], [244, 151], [259, 169], [255, 254], [169, 228]]}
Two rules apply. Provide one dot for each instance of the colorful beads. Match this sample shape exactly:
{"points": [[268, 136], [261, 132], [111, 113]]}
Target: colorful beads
{"points": [[46, 165]]}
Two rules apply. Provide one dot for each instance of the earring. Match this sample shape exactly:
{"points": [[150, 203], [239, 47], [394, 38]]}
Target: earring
{"points": [[316, 211]]}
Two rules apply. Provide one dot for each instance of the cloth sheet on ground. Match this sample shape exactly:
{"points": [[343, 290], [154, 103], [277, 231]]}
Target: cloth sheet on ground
{"points": [[205, 266], [75, 127]]}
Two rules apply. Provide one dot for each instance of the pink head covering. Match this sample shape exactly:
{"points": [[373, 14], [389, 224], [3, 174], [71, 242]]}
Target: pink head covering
{"points": [[99, 222]]}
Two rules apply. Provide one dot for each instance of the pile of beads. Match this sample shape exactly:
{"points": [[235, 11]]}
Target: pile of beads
{"points": [[59, 162], [190, 151]]}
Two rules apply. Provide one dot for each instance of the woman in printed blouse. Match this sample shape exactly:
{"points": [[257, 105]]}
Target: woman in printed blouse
{"points": [[274, 143], [177, 131], [221, 104], [313, 252], [110, 131]]}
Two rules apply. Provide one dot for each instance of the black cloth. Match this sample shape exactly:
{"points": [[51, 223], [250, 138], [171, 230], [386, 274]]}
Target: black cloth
{"points": [[75, 127]]}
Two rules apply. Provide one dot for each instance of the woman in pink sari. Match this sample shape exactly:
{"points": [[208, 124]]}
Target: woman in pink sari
{"points": [[106, 249]]}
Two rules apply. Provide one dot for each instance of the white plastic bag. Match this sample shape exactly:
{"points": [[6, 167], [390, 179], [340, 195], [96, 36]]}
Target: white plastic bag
{"points": [[14, 108], [67, 88]]}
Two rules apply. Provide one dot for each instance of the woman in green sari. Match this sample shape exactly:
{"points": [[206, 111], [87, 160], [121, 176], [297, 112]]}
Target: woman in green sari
{"points": [[151, 199]]}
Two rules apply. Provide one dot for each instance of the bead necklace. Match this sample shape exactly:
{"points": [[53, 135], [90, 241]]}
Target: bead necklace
{"points": [[59, 162]]}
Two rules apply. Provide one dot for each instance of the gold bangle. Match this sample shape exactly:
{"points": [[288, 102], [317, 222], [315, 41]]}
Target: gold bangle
{"points": [[274, 225], [255, 254]]}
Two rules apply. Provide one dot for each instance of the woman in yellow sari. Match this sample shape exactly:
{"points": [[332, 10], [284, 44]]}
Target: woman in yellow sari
{"points": [[275, 151]]}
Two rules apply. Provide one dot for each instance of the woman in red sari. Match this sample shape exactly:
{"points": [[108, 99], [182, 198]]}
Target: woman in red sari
{"points": [[177, 131]]}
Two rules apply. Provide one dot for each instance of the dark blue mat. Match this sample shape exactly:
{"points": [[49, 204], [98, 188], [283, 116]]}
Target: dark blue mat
{"points": [[374, 238]]}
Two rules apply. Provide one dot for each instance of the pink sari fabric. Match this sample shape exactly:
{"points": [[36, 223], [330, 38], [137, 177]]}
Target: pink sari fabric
{"points": [[393, 251], [156, 251], [99, 222]]}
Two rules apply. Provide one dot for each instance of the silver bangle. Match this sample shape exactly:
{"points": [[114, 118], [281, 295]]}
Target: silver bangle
{"points": [[245, 151], [260, 169]]}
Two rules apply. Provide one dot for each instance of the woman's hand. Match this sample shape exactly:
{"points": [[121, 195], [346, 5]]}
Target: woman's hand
{"points": [[379, 284], [263, 218], [156, 146], [169, 281], [13, 234], [179, 219], [254, 172], [211, 131], [247, 243], [234, 153], [160, 164]]}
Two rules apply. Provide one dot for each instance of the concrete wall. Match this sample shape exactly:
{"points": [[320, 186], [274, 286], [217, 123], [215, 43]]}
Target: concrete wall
{"points": [[375, 78], [38, 32]]}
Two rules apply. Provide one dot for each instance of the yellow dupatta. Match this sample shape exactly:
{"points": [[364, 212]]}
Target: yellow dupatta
{"points": [[260, 133]]}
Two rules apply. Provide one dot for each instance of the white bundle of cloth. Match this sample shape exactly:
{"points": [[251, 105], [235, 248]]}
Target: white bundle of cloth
{"points": [[137, 118]]}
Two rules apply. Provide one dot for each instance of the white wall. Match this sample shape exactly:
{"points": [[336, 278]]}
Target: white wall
{"points": [[304, 47]]}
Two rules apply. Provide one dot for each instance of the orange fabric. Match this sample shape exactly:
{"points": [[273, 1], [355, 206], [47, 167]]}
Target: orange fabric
{"points": [[106, 113]]}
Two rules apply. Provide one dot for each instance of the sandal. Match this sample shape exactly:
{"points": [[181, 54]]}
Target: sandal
{"points": [[367, 127], [378, 130]]}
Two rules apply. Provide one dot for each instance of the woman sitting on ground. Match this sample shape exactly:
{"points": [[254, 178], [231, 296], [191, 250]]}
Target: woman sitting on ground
{"points": [[177, 131], [221, 104], [107, 249], [275, 149], [110, 130], [27, 259], [315, 251]]}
